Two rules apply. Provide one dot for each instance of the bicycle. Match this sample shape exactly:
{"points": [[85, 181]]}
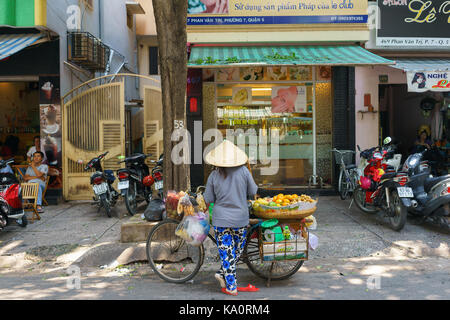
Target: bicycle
{"points": [[348, 175], [175, 261]]}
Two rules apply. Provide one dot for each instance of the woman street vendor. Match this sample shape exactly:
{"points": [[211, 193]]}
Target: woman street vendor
{"points": [[228, 188]]}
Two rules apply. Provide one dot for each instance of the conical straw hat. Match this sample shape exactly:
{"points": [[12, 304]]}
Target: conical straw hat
{"points": [[226, 155]]}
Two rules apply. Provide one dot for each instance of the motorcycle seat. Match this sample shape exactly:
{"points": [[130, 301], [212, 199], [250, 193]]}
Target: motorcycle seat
{"points": [[388, 175], [350, 166], [431, 182], [135, 157]]}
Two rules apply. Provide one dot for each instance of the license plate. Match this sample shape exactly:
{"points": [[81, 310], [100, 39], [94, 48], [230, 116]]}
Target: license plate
{"points": [[405, 192], [159, 185], [123, 185], [100, 188]]}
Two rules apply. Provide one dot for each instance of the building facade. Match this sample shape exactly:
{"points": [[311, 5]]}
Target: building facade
{"points": [[284, 70], [49, 48]]}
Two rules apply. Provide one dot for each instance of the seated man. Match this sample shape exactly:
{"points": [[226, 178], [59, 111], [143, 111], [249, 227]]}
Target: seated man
{"points": [[37, 172]]}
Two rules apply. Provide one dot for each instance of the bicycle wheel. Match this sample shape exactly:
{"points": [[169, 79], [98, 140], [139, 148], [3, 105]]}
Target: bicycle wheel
{"points": [[343, 184], [172, 259], [280, 270]]}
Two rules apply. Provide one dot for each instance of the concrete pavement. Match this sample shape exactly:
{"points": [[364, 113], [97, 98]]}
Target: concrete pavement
{"points": [[358, 257]]}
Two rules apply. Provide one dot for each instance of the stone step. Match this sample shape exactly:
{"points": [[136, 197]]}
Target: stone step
{"points": [[135, 229]]}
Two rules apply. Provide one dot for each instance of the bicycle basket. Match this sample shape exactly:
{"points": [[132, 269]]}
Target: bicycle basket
{"points": [[346, 155]]}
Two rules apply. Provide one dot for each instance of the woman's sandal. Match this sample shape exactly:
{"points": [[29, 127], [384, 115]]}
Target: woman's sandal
{"points": [[231, 293], [248, 288], [220, 279]]}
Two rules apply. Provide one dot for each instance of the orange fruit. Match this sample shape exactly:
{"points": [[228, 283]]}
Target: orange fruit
{"points": [[278, 201]]}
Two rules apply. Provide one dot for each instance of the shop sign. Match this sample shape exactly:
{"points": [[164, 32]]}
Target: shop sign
{"points": [[428, 81], [414, 23], [275, 12]]}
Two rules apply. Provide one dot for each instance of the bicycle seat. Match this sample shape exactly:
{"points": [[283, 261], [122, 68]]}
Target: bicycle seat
{"points": [[350, 166]]}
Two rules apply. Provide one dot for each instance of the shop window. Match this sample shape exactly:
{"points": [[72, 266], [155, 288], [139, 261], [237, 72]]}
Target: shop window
{"points": [[292, 102]]}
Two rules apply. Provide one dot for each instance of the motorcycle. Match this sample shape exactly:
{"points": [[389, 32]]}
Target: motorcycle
{"points": [[382, 187], [135, 181], [10, 199], [431, 194], [392, 160], [101, 180]]}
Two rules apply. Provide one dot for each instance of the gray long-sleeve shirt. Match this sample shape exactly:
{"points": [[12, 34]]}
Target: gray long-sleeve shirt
{"points": [[229, 196]]}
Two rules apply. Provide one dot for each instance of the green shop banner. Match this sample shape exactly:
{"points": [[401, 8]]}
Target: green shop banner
{"points": [[257, 12], [23, 13]]}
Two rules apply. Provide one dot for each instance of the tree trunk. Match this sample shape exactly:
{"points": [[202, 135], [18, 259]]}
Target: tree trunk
{"points": [[171, 17]]}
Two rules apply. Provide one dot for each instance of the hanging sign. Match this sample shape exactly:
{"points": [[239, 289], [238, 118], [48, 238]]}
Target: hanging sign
{"points": [[257, 12], [428, 81]]}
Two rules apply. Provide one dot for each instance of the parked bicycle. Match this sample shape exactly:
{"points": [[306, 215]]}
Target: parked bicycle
{"points": [[348, 175]]}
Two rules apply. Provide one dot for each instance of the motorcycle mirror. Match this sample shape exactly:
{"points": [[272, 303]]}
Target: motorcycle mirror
{"points": [[387, 140]]}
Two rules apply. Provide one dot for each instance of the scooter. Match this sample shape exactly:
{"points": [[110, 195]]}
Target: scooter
{"points": [[431, 194], [135, 181], [10, 199], [382, 187], [101, 180]]}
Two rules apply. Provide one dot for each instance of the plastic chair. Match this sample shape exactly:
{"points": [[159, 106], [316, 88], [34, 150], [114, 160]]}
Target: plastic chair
{"points": [[30, 193]]}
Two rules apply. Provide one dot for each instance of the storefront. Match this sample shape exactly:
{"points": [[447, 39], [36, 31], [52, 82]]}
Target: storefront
{"points": [[414, 92], [30, 88], [300, 92]]}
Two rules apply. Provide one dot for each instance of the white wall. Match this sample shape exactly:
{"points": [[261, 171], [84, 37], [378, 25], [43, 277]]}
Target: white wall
{"points": [[367, 81], [110, 26]]}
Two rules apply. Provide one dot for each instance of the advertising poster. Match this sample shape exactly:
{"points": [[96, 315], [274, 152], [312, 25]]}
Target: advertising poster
{"points": [[323, 73], [289, 99], [428, 81], [241, 95], [277, 73], [300, 73], [252, 74], [50, 122], [282, 12], [228, 74], [207, 6]]}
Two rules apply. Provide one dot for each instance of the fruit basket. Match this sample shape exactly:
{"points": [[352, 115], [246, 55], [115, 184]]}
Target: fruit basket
{"points": [[269, 208]]}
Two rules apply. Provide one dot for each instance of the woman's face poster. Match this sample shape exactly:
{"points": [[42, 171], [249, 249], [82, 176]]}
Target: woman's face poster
{"points": [[289, 99]]}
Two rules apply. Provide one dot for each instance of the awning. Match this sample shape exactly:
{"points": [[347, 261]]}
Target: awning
{"points": [[13, 43], [235, 56], [421, 64]]}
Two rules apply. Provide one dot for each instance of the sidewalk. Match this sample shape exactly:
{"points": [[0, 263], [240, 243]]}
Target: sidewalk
{"points": [[350, 242]]}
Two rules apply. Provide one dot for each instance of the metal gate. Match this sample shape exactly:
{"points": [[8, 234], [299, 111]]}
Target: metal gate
{"points": [[93, 123], [153, 132]]}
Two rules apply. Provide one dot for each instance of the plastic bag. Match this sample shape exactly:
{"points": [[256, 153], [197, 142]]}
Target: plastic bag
{"points": [[194, 228], [154, 210], [201, 202], [171, 205], [185, 206], [313, 241], [312, 225]]}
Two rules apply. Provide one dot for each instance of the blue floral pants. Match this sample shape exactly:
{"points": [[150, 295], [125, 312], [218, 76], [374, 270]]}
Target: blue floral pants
{"points": [[231, 243]]}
